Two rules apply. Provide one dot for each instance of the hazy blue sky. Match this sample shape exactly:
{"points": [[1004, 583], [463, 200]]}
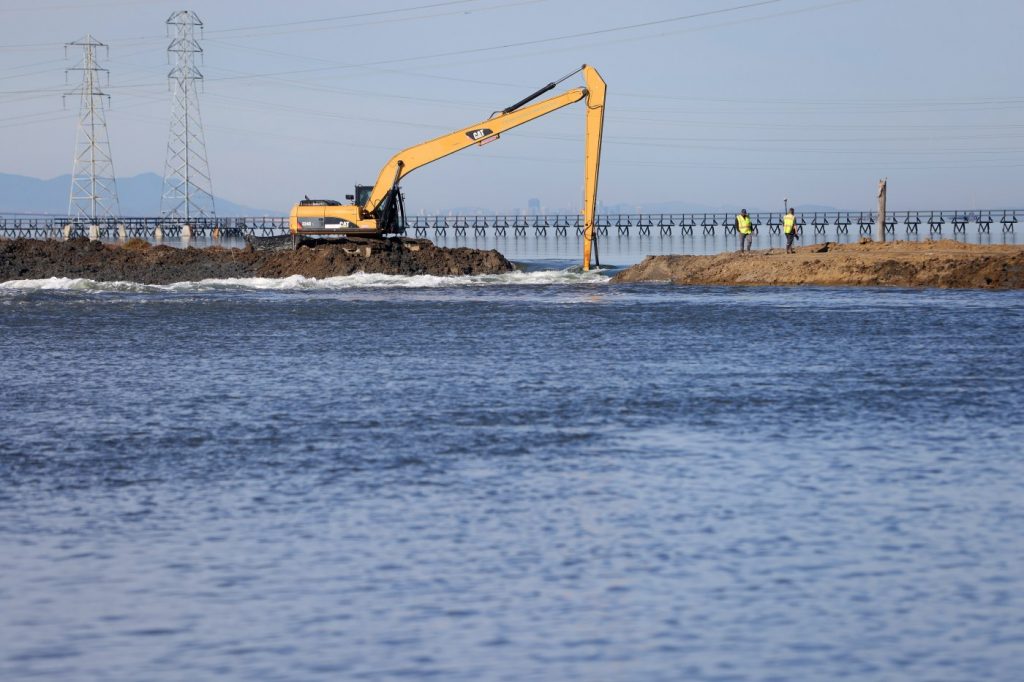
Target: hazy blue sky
{"points": [[810, 99]]}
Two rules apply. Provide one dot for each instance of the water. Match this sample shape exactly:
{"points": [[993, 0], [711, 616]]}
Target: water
{"points": [[537, 476]]}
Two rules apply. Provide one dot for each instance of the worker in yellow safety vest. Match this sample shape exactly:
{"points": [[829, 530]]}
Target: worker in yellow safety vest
{"points": [[746, 231], [789, 228]]}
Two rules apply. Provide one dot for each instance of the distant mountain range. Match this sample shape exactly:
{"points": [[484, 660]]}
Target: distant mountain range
{"points": [[138, 195]]}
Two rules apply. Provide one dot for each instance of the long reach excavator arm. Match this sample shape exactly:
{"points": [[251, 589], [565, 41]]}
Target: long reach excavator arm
{"points": [[379, 210]]}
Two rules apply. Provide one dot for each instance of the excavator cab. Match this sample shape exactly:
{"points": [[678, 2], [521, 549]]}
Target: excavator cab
{"points": [[362, 194], [326, 217]]}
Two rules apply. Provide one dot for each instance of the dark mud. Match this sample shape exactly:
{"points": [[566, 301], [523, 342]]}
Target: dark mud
{"points": [[139, 261]]}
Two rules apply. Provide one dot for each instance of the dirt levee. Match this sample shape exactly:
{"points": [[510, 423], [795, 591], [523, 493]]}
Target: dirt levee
{"points": [[944, 263], [138, 261]]}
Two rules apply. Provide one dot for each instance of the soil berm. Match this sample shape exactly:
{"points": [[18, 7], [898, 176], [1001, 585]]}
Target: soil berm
{"points": [[940, 263], [139, 261]]}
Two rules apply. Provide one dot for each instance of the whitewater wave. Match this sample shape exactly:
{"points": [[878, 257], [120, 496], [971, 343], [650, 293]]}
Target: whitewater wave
{"points": [[299, 283]]}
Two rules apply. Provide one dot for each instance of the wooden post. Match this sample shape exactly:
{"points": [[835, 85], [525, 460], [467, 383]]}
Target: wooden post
{"points": [[881, 209]]}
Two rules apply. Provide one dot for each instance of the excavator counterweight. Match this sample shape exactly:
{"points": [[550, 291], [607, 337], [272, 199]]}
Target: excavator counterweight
{"points": [[380, 209]]}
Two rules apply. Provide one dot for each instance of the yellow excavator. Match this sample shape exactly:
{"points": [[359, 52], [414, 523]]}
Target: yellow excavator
{"points": [[380, 210]]}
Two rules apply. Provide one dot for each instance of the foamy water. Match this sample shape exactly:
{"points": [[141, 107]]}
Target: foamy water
{"points": [[359, 280]]}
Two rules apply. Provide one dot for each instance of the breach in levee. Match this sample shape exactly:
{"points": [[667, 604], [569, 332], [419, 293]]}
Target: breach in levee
{"points": [[380, 209]]}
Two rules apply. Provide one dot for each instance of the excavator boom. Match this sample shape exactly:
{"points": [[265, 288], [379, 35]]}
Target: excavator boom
{"points": [[408, 160]]}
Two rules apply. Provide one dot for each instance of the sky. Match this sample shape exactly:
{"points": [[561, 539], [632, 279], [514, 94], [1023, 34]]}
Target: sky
{"points": [[721, 103]]}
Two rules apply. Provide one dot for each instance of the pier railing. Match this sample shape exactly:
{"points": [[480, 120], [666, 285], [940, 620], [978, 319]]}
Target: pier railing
{"points": [[821, 224], [13, 225]]}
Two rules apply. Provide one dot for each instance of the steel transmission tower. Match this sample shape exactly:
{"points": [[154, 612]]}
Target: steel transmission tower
{"points": [[188, 192], [93, 187]]}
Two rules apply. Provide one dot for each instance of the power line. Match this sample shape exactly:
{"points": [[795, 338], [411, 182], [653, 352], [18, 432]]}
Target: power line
{"points": [[320, 23], [523, 43], [315, 21], [618, 41], [360, 15], [612, 161], [77, 5]]}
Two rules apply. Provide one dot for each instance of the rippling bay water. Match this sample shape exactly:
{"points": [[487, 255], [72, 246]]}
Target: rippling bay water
{"points": [[536, 477]]}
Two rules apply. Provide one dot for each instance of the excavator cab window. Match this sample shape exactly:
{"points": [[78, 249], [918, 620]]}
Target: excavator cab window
{"points": [[363, 194]]}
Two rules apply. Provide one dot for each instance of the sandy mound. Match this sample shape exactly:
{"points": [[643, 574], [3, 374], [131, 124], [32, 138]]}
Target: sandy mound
{"points": [[138, 261], [944, 263]]}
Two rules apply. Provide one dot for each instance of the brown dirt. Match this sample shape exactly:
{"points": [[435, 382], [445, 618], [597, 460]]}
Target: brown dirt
{"points": [[944, 263], [137, 261]]}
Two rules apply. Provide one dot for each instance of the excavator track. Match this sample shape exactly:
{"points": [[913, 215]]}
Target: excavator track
{"points": [[293, 242]]}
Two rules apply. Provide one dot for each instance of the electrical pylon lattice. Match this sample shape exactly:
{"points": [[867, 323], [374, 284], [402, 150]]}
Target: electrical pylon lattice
{"points": [[187, 190], [93, 185]]}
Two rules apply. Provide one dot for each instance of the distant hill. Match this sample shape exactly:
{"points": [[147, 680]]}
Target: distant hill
{"points": [[138, 195]]}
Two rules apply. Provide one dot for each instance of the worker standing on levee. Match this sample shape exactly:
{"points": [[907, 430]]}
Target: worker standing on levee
{"points": [[789, 228], [746, 231]]}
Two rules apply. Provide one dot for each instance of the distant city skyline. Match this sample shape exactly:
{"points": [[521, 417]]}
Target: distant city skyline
{"points": [[709, 102]]}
